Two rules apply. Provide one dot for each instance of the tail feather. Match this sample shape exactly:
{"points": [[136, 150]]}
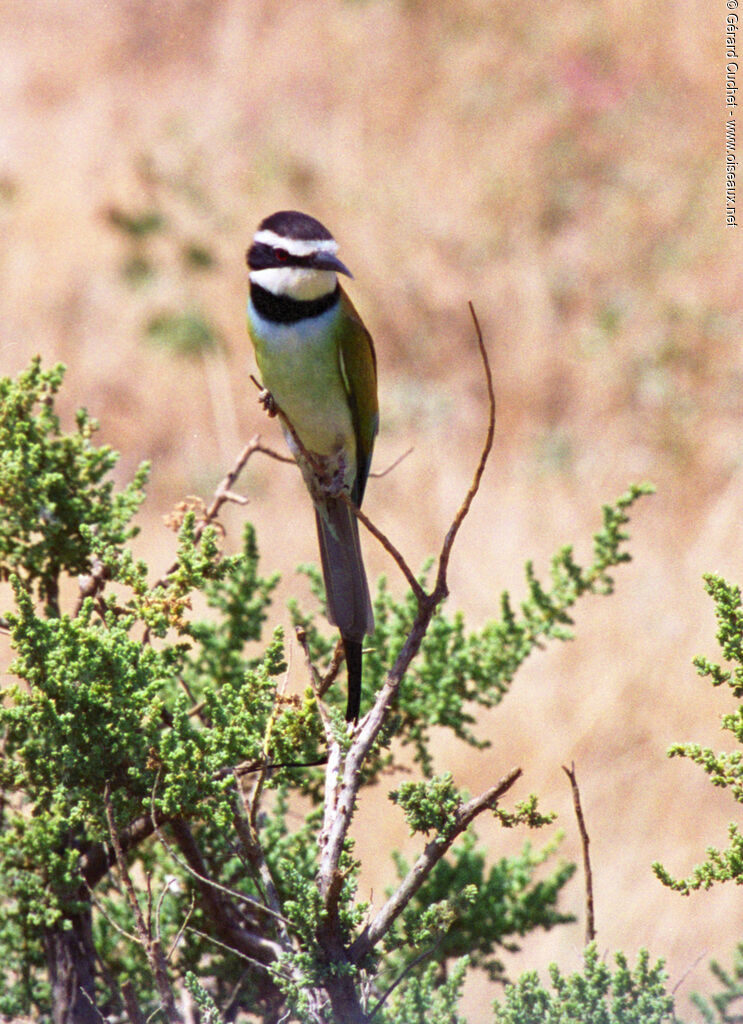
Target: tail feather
{"points": [[346, 589], [353, 665]]}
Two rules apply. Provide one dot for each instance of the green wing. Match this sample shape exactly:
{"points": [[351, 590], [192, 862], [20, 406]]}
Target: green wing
{"points": [[359, 370]]}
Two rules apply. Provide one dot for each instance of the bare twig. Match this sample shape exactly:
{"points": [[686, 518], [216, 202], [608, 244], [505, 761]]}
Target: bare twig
{"points": [[692, 967], [248, 767], [254, 852], [590, 927], [379, 473], [105, 914], [181, 930], [92, 584], [150, 945], [320, 684], [334, 833], [224, 490], [315, 678], [475, 485], [343, 774], [223, 493], [422, 868], [230, 949], [333, 668], [388, 546], [194, 866], [401, 976]]}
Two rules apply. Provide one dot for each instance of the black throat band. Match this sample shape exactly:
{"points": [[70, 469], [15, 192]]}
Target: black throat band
{"points": [[282, 309]]}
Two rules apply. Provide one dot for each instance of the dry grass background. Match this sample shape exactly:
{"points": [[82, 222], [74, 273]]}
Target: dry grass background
{"points": [[561, 166]]}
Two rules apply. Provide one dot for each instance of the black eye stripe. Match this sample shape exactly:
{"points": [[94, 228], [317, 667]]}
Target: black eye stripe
{"points": [[260, 256], [289, 258]]}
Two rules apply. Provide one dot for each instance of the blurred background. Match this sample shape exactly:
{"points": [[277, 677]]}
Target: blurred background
{"points": [[560, 165]]}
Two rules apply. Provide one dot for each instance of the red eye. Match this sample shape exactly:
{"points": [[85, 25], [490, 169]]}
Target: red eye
{"points": [[281, 255]]}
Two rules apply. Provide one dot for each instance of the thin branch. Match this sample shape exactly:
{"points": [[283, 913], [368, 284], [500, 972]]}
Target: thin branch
{"points": [[320, 684], [401, 976], [107, 917], [236, 499], [88, 996], [388, 546], [248, 767], [254, 853], [333, 668], [151, 945], [484, 455], [181, 930], [332, 840], [92, 584], [231, 949], [224, 488], [251, 806], [194, 866], [315, 678], [221, 495], [158, 911], [590, 926], [379, 473], [692, 967], [422, 868], [224, 493]]}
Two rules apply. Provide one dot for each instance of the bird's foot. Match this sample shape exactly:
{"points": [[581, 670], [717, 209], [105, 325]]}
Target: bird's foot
{"points": [[333, 483], [268, 402], [336, 483]]}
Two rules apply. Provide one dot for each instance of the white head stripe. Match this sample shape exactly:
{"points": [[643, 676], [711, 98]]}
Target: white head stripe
{"points": [[296, 246]]}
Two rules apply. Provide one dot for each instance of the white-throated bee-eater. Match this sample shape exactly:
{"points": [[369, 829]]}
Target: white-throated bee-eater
{"points": [[317, 360]]}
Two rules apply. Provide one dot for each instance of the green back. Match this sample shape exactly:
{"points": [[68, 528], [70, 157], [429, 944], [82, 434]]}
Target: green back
{"points": [[359, 370]]}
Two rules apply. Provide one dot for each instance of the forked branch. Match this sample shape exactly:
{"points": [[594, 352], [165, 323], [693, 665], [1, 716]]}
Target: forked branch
{"points": [[333, 836], [422, 868], [344, 772]]}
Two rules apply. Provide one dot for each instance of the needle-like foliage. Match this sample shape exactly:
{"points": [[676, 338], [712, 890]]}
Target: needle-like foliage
{"points": [[171, 821]]}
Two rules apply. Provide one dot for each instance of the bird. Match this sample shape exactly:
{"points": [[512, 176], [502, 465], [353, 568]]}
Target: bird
{"points": [[317, 361]]}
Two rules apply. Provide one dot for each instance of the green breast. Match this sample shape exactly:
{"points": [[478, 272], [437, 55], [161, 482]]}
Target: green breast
{"points": [[300, 366]]}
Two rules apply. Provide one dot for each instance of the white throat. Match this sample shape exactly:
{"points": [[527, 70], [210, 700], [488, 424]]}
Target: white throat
{"points": [[303, 283]]}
